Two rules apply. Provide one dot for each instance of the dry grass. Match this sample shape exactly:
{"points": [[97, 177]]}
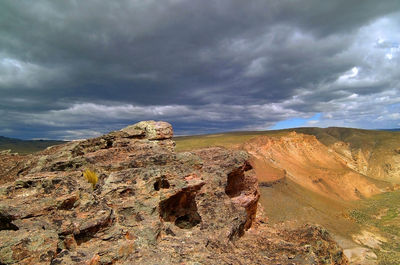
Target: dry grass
{"points": [[91, 177], [357, 137], [227, 140]]}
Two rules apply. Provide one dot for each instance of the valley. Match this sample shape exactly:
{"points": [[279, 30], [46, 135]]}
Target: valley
{"points": [[343, 179]]}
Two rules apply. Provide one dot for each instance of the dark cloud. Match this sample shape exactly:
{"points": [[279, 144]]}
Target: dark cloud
{"points": [[75, 69]]}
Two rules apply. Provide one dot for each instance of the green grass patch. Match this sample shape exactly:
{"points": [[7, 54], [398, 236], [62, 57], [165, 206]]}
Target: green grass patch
{"points": [[391, 214]]}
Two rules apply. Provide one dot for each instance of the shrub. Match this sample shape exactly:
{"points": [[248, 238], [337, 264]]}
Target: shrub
{"points": [[91, 177]]}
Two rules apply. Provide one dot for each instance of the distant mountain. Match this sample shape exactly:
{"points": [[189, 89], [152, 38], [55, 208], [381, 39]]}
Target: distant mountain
{"points": [[25, 146], [391, 130]]}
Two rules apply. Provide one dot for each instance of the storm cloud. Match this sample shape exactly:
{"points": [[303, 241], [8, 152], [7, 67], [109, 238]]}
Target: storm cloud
{"points": [[76, 69]]}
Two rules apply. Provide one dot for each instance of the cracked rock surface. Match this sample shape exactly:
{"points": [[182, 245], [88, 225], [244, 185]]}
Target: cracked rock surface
{"points": [[149, 206]]}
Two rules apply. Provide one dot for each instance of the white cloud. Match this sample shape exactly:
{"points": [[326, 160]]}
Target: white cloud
{"points": [[14, 73], [256, 67], [348, 75]]}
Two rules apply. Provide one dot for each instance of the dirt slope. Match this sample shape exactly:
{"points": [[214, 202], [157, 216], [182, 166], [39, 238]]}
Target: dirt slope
{"points": [[309, 163], [372, 153]]}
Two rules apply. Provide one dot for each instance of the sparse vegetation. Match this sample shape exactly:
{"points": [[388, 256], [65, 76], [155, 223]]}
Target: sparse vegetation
{"points": [[187, 143], [91, 177], [382, 212]]}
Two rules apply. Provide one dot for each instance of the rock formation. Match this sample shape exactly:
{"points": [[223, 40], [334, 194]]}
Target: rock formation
{"points": [[149, 206]]}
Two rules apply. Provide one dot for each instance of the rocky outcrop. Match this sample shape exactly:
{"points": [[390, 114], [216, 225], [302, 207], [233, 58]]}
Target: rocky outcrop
{"points": [[149, 206]]}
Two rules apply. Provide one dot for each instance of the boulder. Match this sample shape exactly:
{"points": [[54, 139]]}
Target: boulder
{"points": [[152, 130]]}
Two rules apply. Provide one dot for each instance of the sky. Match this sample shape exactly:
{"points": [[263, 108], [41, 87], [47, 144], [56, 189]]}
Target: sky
{"points": [[78, 69]]}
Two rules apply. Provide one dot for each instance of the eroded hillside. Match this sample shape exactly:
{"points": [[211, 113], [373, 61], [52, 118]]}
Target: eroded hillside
{"points": [[309, 163], [373, 153]]}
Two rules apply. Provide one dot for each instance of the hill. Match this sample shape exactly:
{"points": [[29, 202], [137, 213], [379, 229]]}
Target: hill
{"points": [[25, 146]]}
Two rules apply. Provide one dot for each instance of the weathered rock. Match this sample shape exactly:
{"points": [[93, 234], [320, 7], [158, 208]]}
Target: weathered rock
{"points": [[152, 130], [11, 165], [24, 247], [150, 206]]}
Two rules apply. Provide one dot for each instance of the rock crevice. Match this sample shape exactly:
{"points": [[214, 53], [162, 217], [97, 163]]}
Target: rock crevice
{"points": [[181, 208]]}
